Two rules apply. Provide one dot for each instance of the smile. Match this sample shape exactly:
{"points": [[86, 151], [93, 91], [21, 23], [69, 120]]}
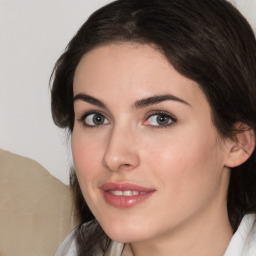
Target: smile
{"points": [[125, 195]]}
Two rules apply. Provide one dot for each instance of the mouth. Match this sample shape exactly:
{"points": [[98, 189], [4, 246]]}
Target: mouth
{"points": [[125, 195]]}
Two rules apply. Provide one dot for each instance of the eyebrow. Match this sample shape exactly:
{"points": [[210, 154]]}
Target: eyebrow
{"points": [[158, 99], [89, 99], [138, 104]]}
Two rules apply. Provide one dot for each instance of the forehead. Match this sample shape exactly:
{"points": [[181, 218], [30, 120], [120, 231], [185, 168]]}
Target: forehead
{"points": [[131, 70]]}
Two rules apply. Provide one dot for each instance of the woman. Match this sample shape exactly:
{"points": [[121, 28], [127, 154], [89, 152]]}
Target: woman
{"points": [[159, 97]]}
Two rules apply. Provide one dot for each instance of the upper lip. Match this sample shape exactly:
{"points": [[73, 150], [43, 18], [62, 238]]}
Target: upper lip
{"points": [[112, 186]]}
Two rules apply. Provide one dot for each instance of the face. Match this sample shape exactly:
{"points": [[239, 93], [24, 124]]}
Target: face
{"points": [[147, 155]]}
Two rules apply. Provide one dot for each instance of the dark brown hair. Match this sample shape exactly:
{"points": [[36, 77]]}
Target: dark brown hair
{"points": [[208, 41]]}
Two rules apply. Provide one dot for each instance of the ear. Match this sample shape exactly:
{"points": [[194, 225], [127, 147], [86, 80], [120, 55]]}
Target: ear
{"points": [[241, 146]]}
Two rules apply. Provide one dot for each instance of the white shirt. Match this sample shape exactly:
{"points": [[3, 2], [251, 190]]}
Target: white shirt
{"points": [[243, 242]]}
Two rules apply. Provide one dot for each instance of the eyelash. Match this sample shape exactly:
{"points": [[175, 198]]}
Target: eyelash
{"points": [[171, 119], [87, 114]]}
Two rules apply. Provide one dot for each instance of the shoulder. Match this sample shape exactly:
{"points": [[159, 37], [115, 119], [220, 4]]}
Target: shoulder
{"points": [[68, 246], [243, 242]]}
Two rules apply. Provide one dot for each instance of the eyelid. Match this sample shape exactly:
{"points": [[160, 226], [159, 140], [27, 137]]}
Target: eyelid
{"points": [[91, 112], [172, 117], [161, 112]]}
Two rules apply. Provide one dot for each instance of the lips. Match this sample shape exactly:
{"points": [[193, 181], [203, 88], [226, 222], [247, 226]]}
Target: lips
{"points": [[125, 195]]}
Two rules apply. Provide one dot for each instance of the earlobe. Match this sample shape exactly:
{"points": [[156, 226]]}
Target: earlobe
{"points": [[240, 148]]}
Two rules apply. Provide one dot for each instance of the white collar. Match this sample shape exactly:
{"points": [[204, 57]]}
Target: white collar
{"points": [[243, 242]]}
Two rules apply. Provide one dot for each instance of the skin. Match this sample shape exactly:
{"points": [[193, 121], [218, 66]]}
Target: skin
{"points": [[185, 162]]}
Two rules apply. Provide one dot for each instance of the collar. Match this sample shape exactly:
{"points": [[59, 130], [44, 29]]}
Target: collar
{"points": [[118, 249], [243, 241]]}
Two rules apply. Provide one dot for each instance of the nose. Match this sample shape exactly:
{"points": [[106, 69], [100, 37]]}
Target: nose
{"points": [[121, 151]]}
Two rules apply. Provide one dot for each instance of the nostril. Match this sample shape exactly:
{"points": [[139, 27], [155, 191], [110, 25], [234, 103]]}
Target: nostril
{"points": [[117, 157], [126, 165]]}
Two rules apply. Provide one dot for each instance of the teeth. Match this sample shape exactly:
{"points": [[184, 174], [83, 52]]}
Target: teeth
{"points": [[125, 193]]}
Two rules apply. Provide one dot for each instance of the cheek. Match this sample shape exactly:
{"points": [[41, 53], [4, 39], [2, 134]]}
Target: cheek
{"points": [[189, 162], [86, 155], [189, 177], [87, 161]]}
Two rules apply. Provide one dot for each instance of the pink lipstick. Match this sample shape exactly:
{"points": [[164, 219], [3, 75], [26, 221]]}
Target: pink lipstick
{"points": [[125, 195]]}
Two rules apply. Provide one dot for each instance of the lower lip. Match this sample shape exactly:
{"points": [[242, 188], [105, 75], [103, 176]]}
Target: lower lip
{"points": [[125, 201]]}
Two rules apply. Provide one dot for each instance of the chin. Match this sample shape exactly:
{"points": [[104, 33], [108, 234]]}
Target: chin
{"points": [[125, 233]]}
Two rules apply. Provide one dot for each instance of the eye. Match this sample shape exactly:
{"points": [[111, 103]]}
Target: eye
{"points": [[94, 119], [160, 120]]}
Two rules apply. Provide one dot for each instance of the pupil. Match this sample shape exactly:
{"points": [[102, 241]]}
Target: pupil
{"points": [[163, 120], [97, 119]]}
